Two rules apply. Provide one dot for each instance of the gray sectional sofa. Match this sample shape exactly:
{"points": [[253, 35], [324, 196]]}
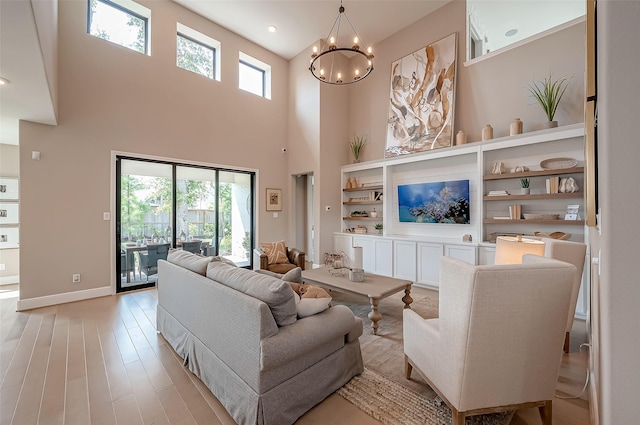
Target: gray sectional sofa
{"points": [[238, 332]]}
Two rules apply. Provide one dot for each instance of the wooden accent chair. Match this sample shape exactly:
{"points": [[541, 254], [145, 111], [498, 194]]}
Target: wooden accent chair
{"points": [[572, 253], [497, 343]]}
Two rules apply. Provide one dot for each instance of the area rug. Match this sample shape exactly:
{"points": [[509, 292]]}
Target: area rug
{"points": [[393, 404]]}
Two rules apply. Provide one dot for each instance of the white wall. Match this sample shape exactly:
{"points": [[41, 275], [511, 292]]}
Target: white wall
{"points": [[617, 293], [115, 99]]}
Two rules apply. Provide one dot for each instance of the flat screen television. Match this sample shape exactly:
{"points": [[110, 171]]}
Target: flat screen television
{"points": [[434, 202]]}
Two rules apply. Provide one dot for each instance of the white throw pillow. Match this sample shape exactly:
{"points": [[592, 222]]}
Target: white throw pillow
{"points": [[310, 306]]}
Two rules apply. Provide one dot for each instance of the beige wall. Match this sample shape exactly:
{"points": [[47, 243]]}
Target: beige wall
{"points": [[9, 167], [114, 99], [492, 91]]}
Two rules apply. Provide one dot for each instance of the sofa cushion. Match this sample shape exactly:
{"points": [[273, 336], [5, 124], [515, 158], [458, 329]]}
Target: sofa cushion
{"points": [[310, 306], [189, 260], [293, 275], [276, 252], [223, 260], [276, 293]]}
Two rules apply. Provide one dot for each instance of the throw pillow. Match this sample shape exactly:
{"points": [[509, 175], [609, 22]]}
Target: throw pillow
{"points": [[223, 260], [294, 275], [276, 252], [188, 260], [310, 299]]}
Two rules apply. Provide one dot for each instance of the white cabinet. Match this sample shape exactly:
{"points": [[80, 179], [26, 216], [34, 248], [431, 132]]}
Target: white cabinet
{"points": [[486, 255], [429, 263], [404, 260], [461, 252], [342, 243], [377, 254]]}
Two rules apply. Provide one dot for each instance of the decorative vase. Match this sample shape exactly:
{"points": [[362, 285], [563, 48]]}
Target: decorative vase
{"points": [[550, 124], [183, 237], [373, 213], [516, 127], [487, 132], [461, 138]]}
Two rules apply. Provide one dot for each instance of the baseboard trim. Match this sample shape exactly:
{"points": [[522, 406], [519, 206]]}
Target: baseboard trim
{"points": [[9, 280], [67, 297]]}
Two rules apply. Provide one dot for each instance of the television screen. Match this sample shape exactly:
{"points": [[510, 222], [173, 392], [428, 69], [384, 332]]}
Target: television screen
{"points": [[436, 202]]}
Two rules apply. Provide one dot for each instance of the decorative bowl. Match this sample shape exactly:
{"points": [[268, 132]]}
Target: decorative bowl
{"points": [[558, 163]]}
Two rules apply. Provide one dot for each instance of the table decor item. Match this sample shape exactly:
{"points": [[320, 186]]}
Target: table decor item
{"points": [[558, 163], [548, 93], [487, 132], [516, 127], [357, 144]]}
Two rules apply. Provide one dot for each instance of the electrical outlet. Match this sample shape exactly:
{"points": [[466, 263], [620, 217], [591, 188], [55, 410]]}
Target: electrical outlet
{"points": [[3, 266], [76, 278]]}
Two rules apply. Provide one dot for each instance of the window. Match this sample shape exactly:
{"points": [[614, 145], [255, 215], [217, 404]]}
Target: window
{"points": [[197, 52], [254, 76], [120, 21]]}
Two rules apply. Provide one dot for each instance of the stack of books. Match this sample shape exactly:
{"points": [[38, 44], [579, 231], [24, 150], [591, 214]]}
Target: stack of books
{"points": [[553, 183], [497, 193], [515, 211]]}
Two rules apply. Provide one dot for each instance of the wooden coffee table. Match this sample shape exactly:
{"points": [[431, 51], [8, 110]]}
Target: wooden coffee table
{"points": [[374, 287]]}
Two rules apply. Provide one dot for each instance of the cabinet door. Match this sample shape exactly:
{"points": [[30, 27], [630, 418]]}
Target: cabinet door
{"points": [[464, 253], [429, 263], [368, 252], [341, 243], [383, 257], [486, 256], [404, 260]]}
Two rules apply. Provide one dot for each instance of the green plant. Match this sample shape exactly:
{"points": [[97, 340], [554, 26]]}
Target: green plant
{"points": [[524, 183], [377, 226], [548, 93], [357, 144]]}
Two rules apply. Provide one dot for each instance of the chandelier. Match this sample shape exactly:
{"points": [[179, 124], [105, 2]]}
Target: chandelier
{"points": [[340, 65]]}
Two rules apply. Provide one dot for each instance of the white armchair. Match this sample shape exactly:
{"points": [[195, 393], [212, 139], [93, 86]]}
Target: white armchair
{"points": [[498, 339], [572, 253]]}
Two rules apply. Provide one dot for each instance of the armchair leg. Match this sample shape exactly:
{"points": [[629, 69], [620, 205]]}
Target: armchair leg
{"points": [[457, 418], [546, 412], [407, 368], [567, 339]]}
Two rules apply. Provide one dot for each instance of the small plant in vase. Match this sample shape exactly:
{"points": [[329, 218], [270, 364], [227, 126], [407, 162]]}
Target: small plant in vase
{"points": [[524, 186], [548, 93], [357, 144], [378, 227]]}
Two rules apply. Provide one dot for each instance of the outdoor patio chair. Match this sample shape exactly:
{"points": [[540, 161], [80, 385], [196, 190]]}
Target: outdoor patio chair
{"points": [[149, 261]]}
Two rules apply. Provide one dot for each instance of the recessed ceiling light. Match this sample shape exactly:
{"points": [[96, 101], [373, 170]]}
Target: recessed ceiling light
{"points": [[511, 32], [273, 28], [3, 81]]}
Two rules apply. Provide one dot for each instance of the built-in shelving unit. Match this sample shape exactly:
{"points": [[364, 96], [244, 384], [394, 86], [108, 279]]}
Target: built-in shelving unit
{"points": [[534, 173]]}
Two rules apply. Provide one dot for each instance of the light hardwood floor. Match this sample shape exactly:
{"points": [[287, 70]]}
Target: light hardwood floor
{"points": [[101, 361]]}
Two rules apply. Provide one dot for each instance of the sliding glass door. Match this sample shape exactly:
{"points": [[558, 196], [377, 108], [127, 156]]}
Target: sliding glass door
{"points": [[204, 210]]}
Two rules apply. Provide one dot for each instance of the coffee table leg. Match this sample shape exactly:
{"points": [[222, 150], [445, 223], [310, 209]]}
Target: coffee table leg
{"points": [[374, 315], [407, 297]]}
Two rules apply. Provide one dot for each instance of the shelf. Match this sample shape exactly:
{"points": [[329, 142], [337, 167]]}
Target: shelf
{"points": [[551, 222], [363, 218], [573, 170], [534, 196], [363, 188], [361, 202]]}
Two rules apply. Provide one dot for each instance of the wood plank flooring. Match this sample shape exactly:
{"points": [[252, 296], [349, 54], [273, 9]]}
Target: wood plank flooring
{"points": [[101, 362]]}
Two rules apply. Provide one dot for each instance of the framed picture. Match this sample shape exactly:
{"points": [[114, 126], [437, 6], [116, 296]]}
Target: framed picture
{"points": [[9, 237], [274, 199], [9, 213], [8, 188], [421, 99]]}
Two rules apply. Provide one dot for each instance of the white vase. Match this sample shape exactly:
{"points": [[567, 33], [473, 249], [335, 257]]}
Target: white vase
{"points": [[524, 191], [550, 124]]}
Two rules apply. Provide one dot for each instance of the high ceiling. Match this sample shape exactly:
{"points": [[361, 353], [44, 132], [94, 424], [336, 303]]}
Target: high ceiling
{"points": [[300, 23]]}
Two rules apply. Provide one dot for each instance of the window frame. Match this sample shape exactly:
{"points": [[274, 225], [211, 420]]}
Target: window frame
{"points": [[118, 6], [203, 40], [264, 68]]}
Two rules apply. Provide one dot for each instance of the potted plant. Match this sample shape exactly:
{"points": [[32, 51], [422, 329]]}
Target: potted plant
{"points": [[357, 144], [524, 186], [378, 227], [548, 93]]}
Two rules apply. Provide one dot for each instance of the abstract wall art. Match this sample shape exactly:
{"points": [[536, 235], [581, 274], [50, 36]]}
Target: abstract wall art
{"points": [[435, 202], [421, 99]]}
